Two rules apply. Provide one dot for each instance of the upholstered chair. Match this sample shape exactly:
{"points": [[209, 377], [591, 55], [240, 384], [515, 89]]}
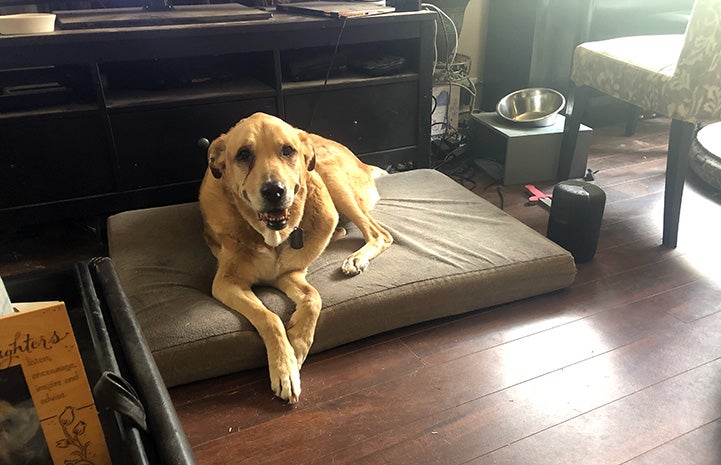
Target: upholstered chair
{"points": [[676, 75]]}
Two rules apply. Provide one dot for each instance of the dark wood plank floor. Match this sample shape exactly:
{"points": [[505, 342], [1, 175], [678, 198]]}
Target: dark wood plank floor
{"points": [[622, 368]]}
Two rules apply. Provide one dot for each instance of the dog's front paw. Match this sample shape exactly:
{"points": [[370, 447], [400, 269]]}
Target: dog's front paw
{"points": [[285, 380], [301, 343], [355, 265]]}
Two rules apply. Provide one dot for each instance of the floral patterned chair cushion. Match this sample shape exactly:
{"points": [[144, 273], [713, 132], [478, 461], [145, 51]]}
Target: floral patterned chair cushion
{"points": [[633, 69], [677, 75]]}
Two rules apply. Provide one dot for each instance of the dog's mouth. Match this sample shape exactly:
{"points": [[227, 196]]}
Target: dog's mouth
{"points": [[275, 219]]}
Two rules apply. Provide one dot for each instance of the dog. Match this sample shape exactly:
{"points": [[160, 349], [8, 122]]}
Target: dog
{"points": [[270, 200]]}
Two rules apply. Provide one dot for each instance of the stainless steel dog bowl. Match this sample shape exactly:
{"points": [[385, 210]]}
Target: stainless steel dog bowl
{"points": [[531, 107]]}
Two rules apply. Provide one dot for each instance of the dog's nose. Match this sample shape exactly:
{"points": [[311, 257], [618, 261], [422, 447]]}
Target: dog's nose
{"points": [[272, 191]]}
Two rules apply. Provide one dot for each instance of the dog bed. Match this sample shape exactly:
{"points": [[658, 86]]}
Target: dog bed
{"points": [[453, 253]]}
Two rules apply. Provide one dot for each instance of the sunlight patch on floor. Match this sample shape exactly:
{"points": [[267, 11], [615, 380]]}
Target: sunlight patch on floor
{"points": [[547, 351], [700, 234]]}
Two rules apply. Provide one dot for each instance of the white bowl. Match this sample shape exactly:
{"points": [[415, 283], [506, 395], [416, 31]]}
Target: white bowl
{"points": [[27, 23]]}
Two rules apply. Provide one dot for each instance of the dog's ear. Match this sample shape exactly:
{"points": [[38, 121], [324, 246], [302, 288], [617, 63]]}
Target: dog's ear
{"points": [[307, 150], [215, 157]]}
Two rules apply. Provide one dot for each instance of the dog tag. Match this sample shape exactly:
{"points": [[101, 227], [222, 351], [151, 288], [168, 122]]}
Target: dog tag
{"points": [[296, 238]]}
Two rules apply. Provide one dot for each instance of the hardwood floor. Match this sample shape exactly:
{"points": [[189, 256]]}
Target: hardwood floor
{"points": [[624, 367], [37, 247]]}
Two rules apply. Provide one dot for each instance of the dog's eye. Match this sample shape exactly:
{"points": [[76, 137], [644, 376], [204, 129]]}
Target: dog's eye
{"points": [[287, 151], [243, 155]]}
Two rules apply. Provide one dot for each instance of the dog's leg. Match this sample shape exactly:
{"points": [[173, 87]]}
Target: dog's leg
{"points": [[282, 363], [301, 328], [376, 237], [377, 240]]}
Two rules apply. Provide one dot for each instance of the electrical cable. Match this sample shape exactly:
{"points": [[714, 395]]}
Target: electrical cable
{"points": [[435, 47], [463, 173], [327, 74], [440, 13], [455, 29], [449, 72], [499, 190]]}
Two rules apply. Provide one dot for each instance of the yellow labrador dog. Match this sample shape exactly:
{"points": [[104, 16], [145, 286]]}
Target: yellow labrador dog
{"points": [[270, 200]]}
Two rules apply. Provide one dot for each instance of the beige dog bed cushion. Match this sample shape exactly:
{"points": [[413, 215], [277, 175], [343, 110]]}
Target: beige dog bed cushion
{"points": [[453, 253]]}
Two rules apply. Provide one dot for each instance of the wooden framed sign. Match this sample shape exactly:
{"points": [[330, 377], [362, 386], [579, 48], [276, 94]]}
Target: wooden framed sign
{"points": [[47, 411]]}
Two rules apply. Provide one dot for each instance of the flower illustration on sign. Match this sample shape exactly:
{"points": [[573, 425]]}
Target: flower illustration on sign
{"points": [[73, 431]]}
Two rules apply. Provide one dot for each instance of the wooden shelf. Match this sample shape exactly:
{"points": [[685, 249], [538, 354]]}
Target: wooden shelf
{"points": [[346, 79], [241, 89], [51, 110]]}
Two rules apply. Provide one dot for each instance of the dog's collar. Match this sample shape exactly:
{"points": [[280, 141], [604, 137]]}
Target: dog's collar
{"points": [[296, 238]]}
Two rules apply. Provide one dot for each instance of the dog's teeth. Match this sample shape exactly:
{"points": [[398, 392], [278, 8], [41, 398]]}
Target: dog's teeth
{"points": [[268, 216]]}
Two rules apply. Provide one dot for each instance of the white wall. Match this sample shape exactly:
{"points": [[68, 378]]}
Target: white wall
{"points": [[473, 38]]}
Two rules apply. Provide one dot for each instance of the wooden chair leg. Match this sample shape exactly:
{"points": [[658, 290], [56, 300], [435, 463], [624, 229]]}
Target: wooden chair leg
{"points": [[575, 107], [679, 144]]}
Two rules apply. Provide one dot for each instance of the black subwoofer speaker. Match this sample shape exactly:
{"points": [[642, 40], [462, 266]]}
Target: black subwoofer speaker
{"points": [[575, 219]]}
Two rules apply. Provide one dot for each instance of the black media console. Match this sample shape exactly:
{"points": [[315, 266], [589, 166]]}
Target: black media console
{"points": [[97, 121]]}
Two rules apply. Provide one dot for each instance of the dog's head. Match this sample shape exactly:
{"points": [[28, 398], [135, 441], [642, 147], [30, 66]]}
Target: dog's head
{"points": [[264, 162]]}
